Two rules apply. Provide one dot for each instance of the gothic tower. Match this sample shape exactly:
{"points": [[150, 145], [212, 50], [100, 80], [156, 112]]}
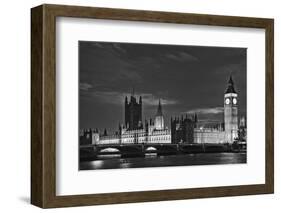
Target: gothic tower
{"points": [[159, 118], [133, 113], [230, 112]]}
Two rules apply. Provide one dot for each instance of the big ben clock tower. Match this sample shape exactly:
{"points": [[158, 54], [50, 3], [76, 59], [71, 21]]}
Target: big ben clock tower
{"points": [[230, 112]]}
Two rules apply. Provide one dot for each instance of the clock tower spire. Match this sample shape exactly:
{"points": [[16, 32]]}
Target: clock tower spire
{"points": [[230, 112]]}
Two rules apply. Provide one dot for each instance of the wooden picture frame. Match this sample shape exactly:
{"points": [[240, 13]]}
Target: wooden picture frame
{"points": [[43, 105]]}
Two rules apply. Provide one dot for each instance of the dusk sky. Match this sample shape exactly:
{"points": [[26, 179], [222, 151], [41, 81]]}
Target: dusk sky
{"points": [[187, 79]]}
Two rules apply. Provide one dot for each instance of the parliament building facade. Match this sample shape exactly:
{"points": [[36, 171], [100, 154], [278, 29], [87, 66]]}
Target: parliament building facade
{"points": [[183, 129]]}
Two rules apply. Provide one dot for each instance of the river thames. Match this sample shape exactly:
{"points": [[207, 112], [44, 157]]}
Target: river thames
{"points": [[161, 161]]}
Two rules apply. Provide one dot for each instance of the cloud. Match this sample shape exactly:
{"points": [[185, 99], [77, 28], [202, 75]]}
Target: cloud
{"points": [[96, 44], [214, 110], [118, 47], [152, 100], [118, 98], [231, 68], [128, 74], [182, 57], [112, 58], [85, 86], [112, 48], [109, 97]]}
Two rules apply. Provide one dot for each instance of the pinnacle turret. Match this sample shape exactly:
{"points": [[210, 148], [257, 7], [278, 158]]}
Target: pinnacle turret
{"points": [[159, 109], [230, 86]]}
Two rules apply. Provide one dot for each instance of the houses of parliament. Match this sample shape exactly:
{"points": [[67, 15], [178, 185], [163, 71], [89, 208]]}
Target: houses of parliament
{"points": [[184, 129]]}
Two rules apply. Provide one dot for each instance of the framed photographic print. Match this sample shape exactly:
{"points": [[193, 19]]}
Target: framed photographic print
{"points": [[137, 106]]}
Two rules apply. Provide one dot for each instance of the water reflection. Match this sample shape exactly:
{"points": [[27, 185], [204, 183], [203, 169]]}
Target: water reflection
{"points": [[152, 160], [107, 156], [97, 164], [150, 155]]}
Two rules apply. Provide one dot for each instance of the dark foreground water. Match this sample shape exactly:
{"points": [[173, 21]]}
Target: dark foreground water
{"points": [[159, 161]]}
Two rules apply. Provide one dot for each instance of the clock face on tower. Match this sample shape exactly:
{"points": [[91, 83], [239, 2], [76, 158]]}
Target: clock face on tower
{"points": [[227, 101], [234, 100]]}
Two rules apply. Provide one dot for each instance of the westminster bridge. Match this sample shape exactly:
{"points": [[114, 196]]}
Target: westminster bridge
{"points": [[92, 151]]}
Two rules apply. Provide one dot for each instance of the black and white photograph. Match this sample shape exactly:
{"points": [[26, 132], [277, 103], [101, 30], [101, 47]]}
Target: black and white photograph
{"points": [[159, 105]]}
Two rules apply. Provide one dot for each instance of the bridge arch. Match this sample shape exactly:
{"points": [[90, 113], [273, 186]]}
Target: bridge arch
{"points": [[151, 148], [109, 150]]}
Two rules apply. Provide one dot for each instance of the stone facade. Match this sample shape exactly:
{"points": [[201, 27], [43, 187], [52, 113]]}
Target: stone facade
{"points": [[150, 135], [133, 113], [183, 130], [209, 135], [134, 131]]}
